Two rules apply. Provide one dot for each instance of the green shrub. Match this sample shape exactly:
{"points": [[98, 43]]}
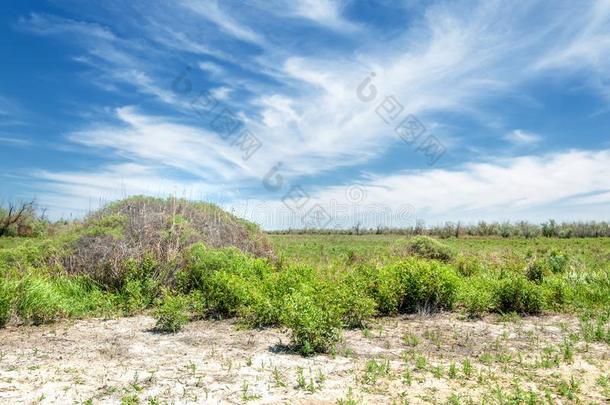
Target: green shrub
{"points": [[39, 301], [557, 292], [468, 265], [232, 283], [537, 270], [476, 296], [516, 294], [7, 298], [558, 261], [429, 248], [226, 293], [314, 322], [137, 295], [172, 314], [350, 294], [425, 285], [386, 289]]}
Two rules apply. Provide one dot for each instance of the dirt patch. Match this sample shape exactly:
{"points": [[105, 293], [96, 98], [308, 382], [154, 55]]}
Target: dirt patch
{"points": [[416, 359]]}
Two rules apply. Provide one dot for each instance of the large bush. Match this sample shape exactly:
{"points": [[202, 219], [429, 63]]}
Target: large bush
{"points": [[515, 293], [162, 228], [415, 285], [427, 248]]}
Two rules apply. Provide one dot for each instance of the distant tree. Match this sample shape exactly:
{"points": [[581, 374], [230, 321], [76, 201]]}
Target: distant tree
{"points": [[14, 216]]}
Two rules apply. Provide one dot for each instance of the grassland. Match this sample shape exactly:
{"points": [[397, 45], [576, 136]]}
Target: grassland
{"points": [[331, 318]]}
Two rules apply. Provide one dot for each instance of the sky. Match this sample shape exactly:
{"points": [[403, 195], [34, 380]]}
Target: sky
{"points": [[310, 113]]}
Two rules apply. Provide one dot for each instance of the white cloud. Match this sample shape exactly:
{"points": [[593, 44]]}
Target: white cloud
{"points": [[583, 44], [565, 185], [212, 11], [157, 140], [211, 67], [221, 93], [324, 12], [455, 58], [47, 24], [520, 137], [78, 192]]}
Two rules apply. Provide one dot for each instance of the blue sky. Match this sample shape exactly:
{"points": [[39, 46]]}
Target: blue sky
{"points": [[286, 111]]}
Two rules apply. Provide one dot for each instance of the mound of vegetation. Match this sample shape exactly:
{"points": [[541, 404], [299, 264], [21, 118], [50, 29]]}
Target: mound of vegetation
{"points": [[425, 247], [124, 234]]}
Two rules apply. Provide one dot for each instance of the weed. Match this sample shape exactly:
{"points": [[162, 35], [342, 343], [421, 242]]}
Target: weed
{"points": [[374, 369]]}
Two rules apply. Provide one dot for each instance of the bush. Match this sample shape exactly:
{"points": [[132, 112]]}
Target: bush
{"points": [[557, 292], [386, 289], [468, 265], [537, 270], [7, 297], [172, 314], [476, 296], [516, 294], [314, 322], [161, 228], [429, 248], [558, 261], [352, 300], [414, 284], [231, 283]]}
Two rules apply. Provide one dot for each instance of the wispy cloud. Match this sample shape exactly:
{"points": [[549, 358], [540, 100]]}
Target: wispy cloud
{"points": [[212, 11], [520, 137], [14, 141]]}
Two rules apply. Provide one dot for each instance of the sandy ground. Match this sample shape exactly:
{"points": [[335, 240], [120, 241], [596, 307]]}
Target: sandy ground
{"points": [[400, 360]]}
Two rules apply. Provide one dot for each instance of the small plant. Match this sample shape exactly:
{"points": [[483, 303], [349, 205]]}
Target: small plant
{"points": [[568, 351], [172, 314], [437, 371], [537, 270], [246, 395], [314, 321], [130, 399], [278, 378], [420, 363], [375, 369], [467, 368], [452, 371], [410, 339], [349, 400], [407, 377], [558, 261], [568, 389], [313, 385]]}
